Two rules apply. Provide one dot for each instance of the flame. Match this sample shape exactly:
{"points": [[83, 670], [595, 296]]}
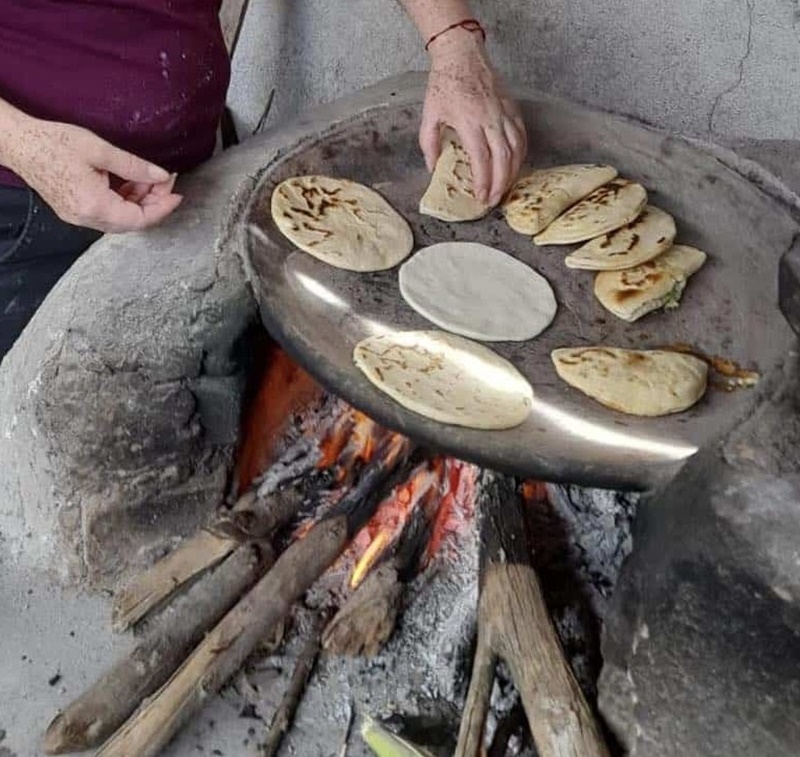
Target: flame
{"points": [[440, 490], [534, 491], [444, 488], [364, 435], [392, 515], [284, 389], [364, 441], [353, 438], [335, 441], [369, 558], [457, 505]]}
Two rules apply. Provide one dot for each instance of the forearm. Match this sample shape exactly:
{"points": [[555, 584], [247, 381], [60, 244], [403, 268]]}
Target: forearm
{"points": [[432, 16], [12, 125]]}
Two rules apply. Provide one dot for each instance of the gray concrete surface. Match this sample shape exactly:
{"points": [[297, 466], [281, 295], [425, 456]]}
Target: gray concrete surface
{"points": [[53, 645], [718, 67], [80, 468]]}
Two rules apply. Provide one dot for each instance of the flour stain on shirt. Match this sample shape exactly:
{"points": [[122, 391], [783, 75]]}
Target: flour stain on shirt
{"points": [[164, 58]]}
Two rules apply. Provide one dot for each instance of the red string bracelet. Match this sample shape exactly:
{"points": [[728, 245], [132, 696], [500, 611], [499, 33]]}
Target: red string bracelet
{"points": [[468, 24]]}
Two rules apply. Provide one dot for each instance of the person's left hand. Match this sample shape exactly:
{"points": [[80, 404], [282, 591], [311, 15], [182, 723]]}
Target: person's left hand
{"points": [[465, 94]]}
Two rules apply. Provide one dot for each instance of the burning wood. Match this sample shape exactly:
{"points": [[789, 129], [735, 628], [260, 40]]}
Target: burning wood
{"points": [[252, 517], [377, 522], [514, 625], [388, 527], [401, 529], [224, 650]]}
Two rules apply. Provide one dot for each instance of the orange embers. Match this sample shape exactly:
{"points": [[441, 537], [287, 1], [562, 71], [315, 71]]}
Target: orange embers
{"points": [[352, 439], [534, 491], [349, 440], [443, 488], [457, 506], [392, 515], [439, 494], [284, 390]]}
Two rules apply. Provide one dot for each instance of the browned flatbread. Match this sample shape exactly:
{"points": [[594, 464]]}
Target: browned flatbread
{"points": [[341, 222], [604, 210], [652, 285], [638, 382], [539, 197], [450, 195], [643, 239]]}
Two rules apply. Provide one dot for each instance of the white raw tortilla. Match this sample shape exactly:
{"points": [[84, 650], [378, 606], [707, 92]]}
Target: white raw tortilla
{"points": [[638, 382], [658, 283], [540, 196], [478, 292], [450, 195], [341, 222], [643, 239], [604, 210], [447, 378]]}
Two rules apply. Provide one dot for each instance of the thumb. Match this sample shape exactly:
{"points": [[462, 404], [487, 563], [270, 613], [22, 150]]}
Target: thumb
{"points": [[126, 165], [430, 141]]}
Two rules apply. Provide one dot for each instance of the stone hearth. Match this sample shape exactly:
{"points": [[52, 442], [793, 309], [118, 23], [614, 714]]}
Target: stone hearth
{"points": [[119, 413]]}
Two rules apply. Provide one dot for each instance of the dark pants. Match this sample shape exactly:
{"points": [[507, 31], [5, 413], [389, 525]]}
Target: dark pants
{"points": [[36, 248]]}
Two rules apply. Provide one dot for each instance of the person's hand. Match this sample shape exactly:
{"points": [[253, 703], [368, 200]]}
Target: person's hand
{"points": [[89, 182], [465, 94]]}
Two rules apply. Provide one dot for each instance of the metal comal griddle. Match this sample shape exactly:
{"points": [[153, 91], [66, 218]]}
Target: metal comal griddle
{"points": [[730, 308]]}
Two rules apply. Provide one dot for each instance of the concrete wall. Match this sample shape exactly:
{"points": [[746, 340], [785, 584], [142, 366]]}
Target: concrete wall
{"points": [[728, 68]]}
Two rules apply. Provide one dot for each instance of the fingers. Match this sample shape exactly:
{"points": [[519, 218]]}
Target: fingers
{"points": [[496, 154], [97, 206], [517, 124], [137, 191], [518, 140], [488, 124], [120, 215], [480, 159], [502, 162], [134, 191], [430, 141], [165, 187], [155, 202], [106, 157]]}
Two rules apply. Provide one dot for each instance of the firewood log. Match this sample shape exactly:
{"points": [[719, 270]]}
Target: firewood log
{"points": [[514, 625], [228, 645], [97, 713]]}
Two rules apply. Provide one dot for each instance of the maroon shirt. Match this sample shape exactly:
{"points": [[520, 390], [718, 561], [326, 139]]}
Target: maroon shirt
{"points": [[149, 76]]}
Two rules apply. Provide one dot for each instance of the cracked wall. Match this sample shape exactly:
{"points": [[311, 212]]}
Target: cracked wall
{"points": [[726, 68]]}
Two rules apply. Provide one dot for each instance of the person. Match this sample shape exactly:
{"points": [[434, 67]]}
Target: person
{"points": [[102, 104]]}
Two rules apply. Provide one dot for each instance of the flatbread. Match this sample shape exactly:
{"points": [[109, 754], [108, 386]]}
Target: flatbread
{"points": [[341, 223], [637, 382], [539, 197], [658, 283], [450, 195], [643, 239], [604, 210], [478, 292], [447, 378]]}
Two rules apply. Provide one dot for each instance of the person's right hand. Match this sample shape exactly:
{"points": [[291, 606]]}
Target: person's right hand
{"points": [[89, 182]]}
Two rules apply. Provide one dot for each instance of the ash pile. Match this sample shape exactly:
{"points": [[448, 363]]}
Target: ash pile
{"points": [[417, 683]]}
